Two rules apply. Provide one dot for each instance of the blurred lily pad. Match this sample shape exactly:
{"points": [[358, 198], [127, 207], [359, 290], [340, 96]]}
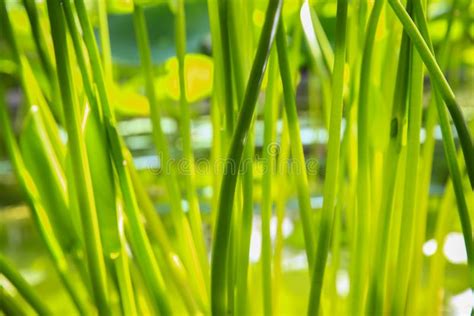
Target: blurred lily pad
{"points": [[199, 74]]}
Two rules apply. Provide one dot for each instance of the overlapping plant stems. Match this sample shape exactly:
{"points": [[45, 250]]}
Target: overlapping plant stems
{"points": [[332, 171], [136, 233], [44, 54], [406, 242], [241, 48], [22, 286], [299, 167], [362, 227], [392, 158], [77, 149], [450, 153], [234, 157], [441, 83], [436, 102], [186, 244], [113, 238]]}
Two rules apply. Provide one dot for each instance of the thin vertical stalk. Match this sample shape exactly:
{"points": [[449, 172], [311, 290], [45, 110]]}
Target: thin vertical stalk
{"points": [[223, 9], [218, 98], [185, 128], [234, 157], [269, 155], [105, 40], [362, 227], [299, 166], [83, 183], [332, 171]]}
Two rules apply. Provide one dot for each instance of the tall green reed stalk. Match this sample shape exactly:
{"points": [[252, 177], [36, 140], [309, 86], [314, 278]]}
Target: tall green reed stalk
{"points": [[326, 223]]}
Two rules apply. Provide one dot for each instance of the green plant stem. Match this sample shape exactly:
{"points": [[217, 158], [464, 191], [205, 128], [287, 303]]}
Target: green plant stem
{"points": [[223, 8], [9, 305], [234, 157], [299, 166], [332, 171], [105, 40], [242, 261], [185, 128], [441, 83], [121, 267], [218, 98], [78, 156], [22, 286], [280, 207], [322, 39], [269, 155]]}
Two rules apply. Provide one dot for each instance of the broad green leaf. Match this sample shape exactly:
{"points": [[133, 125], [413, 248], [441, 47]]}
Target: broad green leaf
{"points": [[47, 171], [102, 181]]}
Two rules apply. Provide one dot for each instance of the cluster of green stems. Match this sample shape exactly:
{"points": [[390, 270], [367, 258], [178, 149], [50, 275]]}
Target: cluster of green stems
{"points": [[98, 220]]}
